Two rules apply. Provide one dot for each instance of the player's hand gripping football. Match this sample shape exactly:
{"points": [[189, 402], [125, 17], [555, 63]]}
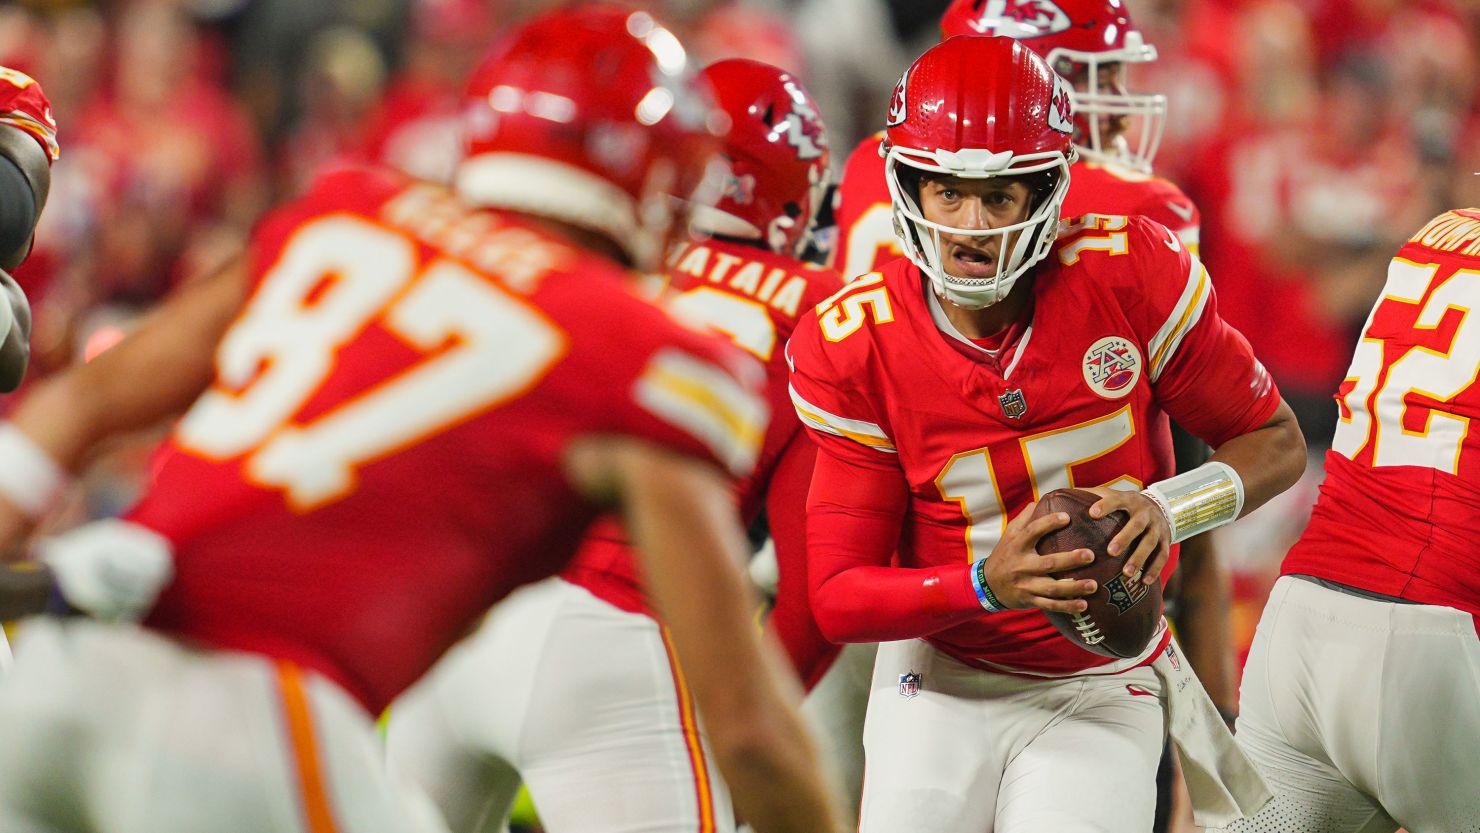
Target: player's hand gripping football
{"points": [[1147, 536], [1021, 578]]}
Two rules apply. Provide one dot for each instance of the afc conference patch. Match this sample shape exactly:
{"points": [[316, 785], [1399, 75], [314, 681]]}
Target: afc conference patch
{"points": [[1112, 366], [909, 685]]}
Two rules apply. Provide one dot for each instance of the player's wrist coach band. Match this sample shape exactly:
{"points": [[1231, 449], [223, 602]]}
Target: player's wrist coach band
{"points": [[984, 594], [1205, 498]]}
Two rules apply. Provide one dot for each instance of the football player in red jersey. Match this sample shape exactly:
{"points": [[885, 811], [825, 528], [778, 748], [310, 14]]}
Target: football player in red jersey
{"points": [[28, 146], [568, 685], [1358, 700], [421, 405], [1092, 43], [952, 389]]}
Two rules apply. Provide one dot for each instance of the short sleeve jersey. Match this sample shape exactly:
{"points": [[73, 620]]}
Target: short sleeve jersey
{"points": [[380, 457], [1401, 499], [1122, 330], [24, 106], [865, 220], [755, 298], [1107, 188]]}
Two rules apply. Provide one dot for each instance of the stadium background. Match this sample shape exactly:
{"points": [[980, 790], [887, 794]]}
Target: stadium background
{"points": [[1313, 134]]}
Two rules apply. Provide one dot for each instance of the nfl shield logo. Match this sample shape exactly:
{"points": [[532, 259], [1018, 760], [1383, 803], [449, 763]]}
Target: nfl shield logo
{"points": [[1013, 404], [909, 685]]}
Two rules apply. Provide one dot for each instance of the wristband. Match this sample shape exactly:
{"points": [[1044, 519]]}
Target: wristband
{"points": [[1194, 502], [29, 477], [984, 594]]}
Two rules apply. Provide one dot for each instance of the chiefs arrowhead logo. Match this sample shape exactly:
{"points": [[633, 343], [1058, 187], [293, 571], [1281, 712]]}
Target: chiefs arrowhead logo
{"points": [[803, 126], [897, 104], [1061, 107], [1021, 18]]}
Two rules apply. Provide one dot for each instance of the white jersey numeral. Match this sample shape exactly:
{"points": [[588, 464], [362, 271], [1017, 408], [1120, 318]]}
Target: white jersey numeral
{"points": [[747, 323], [1439, 375], [335, 277], [844, 313], [870, 239], [970, 480], [1115, 243]]}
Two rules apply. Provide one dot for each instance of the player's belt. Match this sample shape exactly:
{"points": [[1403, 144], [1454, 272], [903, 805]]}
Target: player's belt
{"points": [[1354, 591]]}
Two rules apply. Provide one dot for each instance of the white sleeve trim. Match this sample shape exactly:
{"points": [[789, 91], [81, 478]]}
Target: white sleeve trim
{"points": [[1183, 318], [706, 402], [864, 433]]}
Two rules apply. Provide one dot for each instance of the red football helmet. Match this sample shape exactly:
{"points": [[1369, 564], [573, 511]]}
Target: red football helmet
{"points": [[1080, 39], [778, 155], [590, 116], [977, 107]]}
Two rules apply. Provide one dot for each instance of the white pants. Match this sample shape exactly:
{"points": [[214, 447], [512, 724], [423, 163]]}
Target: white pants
{"points": [[1363, 715], [578, 697], [835, 710], [969, 751], [115, 729]]}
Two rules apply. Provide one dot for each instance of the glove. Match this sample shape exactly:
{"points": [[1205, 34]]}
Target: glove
{"points": [[112, 570]]}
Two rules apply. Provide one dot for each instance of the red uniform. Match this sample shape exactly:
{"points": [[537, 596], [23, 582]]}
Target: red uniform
{"points": [[24, 105], [1096, 188], [379, 460], [866, 225], [862, 210], [1121, 332], [1401, 498], [756, 297]]}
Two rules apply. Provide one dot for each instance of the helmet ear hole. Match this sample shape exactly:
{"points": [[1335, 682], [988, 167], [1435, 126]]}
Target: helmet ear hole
{"points": [[910, 180]]}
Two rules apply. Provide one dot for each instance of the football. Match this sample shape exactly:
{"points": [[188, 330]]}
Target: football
{"points": [[1123, 614]]}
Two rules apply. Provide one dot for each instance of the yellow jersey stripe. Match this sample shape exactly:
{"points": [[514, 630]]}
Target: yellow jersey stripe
{"points": [[859, 431], [1191, 313], [708, 404]]}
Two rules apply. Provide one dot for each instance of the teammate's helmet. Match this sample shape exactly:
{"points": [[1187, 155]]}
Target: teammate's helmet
{"points": [[1079, 36], [590, 116], [979, 107], [777, 150]]}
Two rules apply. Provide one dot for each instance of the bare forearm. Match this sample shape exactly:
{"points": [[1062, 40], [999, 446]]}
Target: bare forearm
{"points": [[1204, 624], [1268, 459], [681, 517], [150, 376], [742, 686]]}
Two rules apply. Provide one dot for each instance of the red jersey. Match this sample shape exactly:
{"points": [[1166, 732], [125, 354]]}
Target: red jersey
{"points": [[865, 220], [379, 459], [24, 105], [1103, 188], [1122, 330], [1401, 498], [863, 213], [756, 298]]}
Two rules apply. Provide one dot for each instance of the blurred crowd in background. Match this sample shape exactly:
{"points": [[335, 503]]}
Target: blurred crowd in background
{"points": [[1314, 135]]}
